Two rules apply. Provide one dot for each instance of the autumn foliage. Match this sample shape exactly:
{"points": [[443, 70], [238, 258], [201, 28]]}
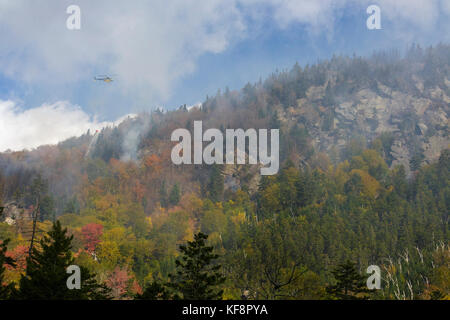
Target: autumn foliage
{"points": [[92, 236]]}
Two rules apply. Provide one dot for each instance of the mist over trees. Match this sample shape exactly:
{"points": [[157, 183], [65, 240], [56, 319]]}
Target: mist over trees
{"points": [[364, 180]]}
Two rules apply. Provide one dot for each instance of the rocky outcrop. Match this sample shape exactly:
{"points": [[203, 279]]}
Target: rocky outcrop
{"points": [[418, 124], [13, 211]]}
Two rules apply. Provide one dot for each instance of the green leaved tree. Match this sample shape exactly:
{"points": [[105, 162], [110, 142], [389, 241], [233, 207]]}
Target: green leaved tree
{"points": [[175, 195], [197, 277], [46, 278], [350, 285], [215, 185]]}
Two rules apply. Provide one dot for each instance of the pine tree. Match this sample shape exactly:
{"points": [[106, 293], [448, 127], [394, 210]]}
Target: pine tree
{"points": [[46, 277], [47, 208], [163, 195], [216, 184], [197, 277], [416, 161], [72, 206], [5, 290], [174, 196], [350, 285], [328, 99]]}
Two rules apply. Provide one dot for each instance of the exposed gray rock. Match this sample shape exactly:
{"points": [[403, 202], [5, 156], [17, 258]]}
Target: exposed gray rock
{"points": [[369, 113]]}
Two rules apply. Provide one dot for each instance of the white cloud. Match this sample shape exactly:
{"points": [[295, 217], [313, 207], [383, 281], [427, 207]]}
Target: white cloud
{"points": [[47, 124], [418, 13], [151, 45], [321, 15]]}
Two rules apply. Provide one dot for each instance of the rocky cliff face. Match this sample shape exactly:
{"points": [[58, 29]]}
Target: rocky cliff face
{"points": [[418, 126], [13, 212]]}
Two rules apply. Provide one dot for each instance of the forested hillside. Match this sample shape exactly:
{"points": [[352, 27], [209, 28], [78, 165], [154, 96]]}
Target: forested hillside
{"points": [[364, 177]]}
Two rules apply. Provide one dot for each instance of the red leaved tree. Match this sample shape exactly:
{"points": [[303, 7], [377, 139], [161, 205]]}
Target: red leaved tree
{"points": [[19, 254], [92, 233], [118, 281]]}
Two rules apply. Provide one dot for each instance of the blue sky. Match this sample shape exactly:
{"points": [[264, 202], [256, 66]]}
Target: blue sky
{"points": [[172, 54]]}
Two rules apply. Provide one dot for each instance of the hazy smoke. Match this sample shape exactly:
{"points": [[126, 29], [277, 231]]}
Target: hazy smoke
{"points": [[91, 145], [139, 127]]}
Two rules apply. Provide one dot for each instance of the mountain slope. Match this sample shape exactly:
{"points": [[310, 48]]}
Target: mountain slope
{"points": [[396, 105]]}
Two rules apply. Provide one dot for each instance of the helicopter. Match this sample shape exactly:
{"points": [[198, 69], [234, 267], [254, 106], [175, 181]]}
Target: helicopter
{"points": [[104, 78]]}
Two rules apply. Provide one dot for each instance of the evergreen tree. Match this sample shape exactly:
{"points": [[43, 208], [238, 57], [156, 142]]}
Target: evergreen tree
{"points": [[350, 285], [72, 206], [197, 277], [416, 161], [47, 208], [38, 189], [215, 185], [163, 195], [5, 290], [328, 99], [275, 122], [174, 196], [46, 277]]}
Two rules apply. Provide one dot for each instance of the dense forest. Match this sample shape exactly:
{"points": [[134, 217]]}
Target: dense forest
{"points": [[364, 180]]}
